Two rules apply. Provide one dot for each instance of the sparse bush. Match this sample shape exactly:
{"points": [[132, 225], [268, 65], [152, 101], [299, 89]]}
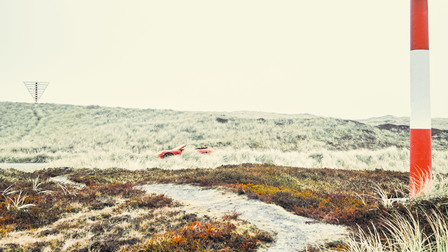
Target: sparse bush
{"points": [[202, 236], [221, 120], [156, 201]]}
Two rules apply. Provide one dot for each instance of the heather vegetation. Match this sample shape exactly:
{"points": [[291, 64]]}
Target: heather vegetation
{"points": [[103, 210], [98, 137], [334, 196], [38, 214], [366, 201]]}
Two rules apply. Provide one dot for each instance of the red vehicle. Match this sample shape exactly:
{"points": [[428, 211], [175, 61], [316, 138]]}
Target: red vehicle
{"points": [[179, 149]]}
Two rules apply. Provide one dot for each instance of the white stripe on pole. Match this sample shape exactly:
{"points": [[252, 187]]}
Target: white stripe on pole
{"points": [[420, 90]]}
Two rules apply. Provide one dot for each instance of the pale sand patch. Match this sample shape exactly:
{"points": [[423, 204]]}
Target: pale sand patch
{"points": [[64, 180], [291, 232]]}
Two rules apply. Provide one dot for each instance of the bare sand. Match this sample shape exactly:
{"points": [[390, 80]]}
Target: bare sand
{"points": [[291, 232]]}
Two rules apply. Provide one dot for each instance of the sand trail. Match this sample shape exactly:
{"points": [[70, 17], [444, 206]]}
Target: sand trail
{"points": [[291, 232]]}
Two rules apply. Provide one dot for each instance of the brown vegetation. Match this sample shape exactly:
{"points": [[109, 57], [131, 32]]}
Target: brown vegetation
{"points": [[106, 217], [330, 195], [110, 205], [334, 196]]}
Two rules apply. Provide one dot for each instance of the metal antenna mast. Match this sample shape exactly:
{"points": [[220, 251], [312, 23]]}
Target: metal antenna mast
{"points": [[36, 89]]}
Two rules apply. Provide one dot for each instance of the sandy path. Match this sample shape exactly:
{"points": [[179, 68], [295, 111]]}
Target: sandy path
{"points": [[292, 232]]}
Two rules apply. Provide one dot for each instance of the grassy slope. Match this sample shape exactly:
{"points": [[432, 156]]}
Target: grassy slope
{"points": [[438, 123], [81, 135]]}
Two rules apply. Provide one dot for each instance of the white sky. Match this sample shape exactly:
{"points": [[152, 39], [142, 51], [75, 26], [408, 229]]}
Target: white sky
{"points": [[346, 58]]}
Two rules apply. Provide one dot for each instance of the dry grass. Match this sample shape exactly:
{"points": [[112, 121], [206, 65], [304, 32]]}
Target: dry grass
{"points": [[334, 196], [96, 137], [99, 215], [107, 217], [363, 200], [411, 228]]}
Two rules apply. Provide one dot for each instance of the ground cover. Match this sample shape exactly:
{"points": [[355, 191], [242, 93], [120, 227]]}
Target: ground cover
{"points": [[334, 196], [37, 214], [362, 200], [102, 212], [290, 232]]}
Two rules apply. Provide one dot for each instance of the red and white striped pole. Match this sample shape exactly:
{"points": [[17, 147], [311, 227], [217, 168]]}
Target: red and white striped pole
{"points": [[420, 124]]}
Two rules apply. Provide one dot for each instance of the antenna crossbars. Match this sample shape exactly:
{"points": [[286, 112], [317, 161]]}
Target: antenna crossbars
{"points": [[36, 89]]}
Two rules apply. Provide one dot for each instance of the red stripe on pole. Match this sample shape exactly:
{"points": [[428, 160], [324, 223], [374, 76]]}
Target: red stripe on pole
{"points": [[420, 172], [419, 24]]}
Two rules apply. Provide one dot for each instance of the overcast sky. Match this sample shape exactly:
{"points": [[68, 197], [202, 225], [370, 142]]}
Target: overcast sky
{"points": [[346, 58]]}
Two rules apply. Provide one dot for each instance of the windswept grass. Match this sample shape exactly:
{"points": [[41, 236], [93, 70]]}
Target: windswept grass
{"points": [[419, 226], [97, 137]]}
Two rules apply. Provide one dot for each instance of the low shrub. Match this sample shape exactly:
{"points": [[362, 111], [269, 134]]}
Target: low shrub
{"points": [[203, 236]]}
